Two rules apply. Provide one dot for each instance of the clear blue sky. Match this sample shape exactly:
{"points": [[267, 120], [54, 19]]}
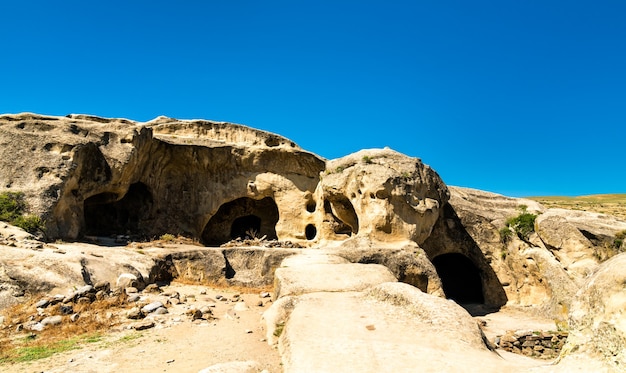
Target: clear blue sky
{"points": [[516, 97]]}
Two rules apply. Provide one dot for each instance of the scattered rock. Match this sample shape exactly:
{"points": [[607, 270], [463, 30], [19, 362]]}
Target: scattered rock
{"points": [[143, 325], [151, 307], [52, 320], [134, 313], [152, 288]]}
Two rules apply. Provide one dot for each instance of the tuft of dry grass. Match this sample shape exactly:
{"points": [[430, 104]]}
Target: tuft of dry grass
{"points": [[25, 345]]}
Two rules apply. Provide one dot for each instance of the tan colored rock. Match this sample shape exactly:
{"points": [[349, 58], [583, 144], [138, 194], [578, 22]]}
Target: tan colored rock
{"points": [[381, 194], [597, 320], [567, 243], [391, 328], [96, 176], [313, 278]]}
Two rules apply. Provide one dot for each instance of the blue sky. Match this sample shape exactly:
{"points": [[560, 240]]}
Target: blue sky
{"points": [[516, 97]]}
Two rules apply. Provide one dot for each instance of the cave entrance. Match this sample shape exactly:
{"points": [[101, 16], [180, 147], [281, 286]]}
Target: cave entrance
{"points": [[460, 278], [242, 218], [105, 214]]}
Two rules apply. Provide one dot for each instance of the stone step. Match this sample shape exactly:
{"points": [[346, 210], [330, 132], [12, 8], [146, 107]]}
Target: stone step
{"points": [[304, 279]]}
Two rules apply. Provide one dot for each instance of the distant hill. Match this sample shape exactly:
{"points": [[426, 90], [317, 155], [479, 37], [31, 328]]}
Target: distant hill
{"points": [[613, 204]]}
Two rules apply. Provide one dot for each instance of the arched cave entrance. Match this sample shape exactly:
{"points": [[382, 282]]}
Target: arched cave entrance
{"points": [[106, 215], [242, 218], [460, 278]]}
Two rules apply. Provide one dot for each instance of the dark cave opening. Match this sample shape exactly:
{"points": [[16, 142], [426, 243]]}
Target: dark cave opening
{"points": [[310, 232], [105, 215], [242, 218], [460, 278], [248, 226]]}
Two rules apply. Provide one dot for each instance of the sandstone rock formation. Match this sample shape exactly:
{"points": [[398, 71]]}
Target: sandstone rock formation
{"points": [[376, 213], [597, 320]]}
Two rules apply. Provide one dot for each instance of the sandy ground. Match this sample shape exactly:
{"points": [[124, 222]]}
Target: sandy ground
{"points": [[175, 344], [178, 344]]}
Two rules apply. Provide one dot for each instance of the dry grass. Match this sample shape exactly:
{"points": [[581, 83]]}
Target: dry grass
{"points": [[611, 204], [95, 319]]}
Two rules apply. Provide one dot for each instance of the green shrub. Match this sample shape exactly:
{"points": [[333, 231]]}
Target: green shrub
{"points": [[12, 208], [12, 205], [505, 234], [367, 159], [30, 223], [523, 224]]}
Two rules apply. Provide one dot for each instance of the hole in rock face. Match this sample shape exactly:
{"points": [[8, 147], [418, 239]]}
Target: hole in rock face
{"points": [[242, 218], [310, 232], [310, 206], [460, 278], [341, 212], [106, 215]]}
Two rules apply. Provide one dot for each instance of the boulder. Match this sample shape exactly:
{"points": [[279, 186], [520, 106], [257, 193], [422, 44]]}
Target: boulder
{"points": [[567, 243], [597, 323], [381, 194]]}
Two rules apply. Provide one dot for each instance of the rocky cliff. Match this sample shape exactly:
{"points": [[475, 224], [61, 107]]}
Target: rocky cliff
{"points": [[216, 183]]}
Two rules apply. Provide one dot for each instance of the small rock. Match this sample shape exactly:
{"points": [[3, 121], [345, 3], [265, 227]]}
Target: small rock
{"points": [[42, 303], [174, 301], [170, 361], [1, 320], [19, 293], [37, 327], [248, 331], [219, 297], [149, 308], [143, 325], [260, 303], [131, 290], [66, 310], [102, 286], [196, 314], [160, 311], [133, 298], [206, 310], [202, 292], [74, 317], [134, 313], [264, 294], [241, 306], [152, 288], [83, 291], [52, 320]]}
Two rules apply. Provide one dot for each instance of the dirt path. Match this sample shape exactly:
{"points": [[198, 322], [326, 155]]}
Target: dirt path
{"points": [[175, 344]]}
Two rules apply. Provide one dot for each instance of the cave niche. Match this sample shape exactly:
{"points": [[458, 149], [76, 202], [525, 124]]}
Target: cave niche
{"points": [[242, 218], [460, 277], [106, 214], [340, 212]]}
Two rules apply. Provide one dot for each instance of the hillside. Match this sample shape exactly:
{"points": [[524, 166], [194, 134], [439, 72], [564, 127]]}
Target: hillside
{"points": [[612, 204]]}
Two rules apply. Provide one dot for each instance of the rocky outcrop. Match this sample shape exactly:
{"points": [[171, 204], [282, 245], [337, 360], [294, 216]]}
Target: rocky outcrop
{"points": [[597, 323], [96, 176], [382, 194]]}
